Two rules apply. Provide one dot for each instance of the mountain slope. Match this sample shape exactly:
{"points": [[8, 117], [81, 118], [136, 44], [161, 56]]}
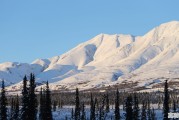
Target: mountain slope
{"points": [[107, 60]]}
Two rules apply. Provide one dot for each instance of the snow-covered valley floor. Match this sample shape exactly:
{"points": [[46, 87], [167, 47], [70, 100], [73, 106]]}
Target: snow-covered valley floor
{"points": [[65, 113]]}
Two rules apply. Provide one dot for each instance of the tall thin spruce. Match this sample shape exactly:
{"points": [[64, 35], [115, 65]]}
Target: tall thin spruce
{"points": [[174, 106], [148, 110], [16, 109], [3, 103], [77, 106], [136, 109], [25, 100], [42, 106], [129, 110], [92, 108], [166, 102], [83, 113], [102, 114], [48, 103], [107, 102], [117, 109], [32, 105], [143, 113], [12, 109]]}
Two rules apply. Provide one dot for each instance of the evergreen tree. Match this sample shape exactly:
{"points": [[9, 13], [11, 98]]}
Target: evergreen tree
{"points": [[77, 106], [12, 109], [25, 100], [166, 102], [96, 108], [101, 110], [54, 106], [148, 110], [42, 106], [107, 103], [3, 103], [117, 109], [143, 114], [83, 114], [16, 109], [129, 109], [92, 108], [60, 102], [136, 109], [32, 105], [174, 106], [48, 107]]}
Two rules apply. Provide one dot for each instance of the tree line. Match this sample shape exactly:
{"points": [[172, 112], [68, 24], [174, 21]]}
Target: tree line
{"points": [[31, 106], [132, 111]]}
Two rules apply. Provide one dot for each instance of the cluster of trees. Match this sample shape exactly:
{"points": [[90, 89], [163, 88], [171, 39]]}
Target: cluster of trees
{"points": [[30, 106], [45, 104], [131, 108], [60, 98], [28, 102], [100, 111]]}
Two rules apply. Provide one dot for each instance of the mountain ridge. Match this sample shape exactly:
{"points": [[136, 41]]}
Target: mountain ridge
{"points": [[107, 60]]}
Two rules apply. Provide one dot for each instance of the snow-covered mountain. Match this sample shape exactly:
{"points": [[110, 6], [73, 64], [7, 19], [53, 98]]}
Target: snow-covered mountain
{"points": [[145, 61]]}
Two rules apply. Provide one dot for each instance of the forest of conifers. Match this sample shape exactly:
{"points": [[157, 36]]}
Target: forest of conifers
{"points": [[85, 105]]}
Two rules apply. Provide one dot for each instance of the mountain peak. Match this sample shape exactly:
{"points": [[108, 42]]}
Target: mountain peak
{"points": [[174, 22], [173, 25], [166, 30], [108, 59]]}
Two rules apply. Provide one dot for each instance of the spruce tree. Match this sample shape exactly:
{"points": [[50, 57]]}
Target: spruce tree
{"points": [[143, 114], [25, 100], [129, 110], [92, 108], [3, 103], [149, 110], [77, 106], [136, 109], [42, 106], [48, 107], [32, 105], [96, 107], [12, 109], [83, 114], [107, 102], [101, 110], [117, 109], [166, 102], [16, 109], [174, 106], [54, 105]]}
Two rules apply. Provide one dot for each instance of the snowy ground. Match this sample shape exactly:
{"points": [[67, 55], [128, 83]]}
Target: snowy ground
{"points": [[61, 114]]}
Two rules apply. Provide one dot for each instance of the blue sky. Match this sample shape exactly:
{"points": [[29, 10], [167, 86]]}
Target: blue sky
{"points": [[31, 29]]}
